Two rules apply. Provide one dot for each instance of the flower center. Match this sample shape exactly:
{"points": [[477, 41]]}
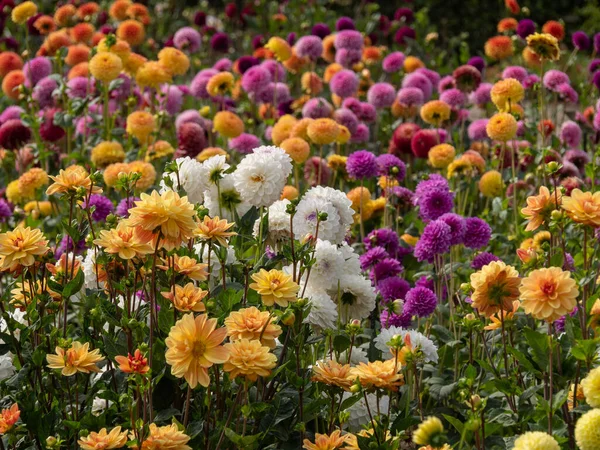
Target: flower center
{"points": [[548, 288], [199, 349], [258, 178]]}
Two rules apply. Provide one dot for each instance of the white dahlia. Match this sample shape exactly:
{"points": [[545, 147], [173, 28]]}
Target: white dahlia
{"points": [[305, 219], [261, 176], [278, 223], [191, 177], [224, 200], [323, 312], [357, 297]]}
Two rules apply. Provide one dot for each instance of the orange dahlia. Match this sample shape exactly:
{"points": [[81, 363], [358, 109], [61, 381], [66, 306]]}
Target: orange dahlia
{"points": [[549, 293], [21, 246], [253, 324], [186, 298], [104, 439], [378, 374], [539, 207], [583, 207], [77, 358], [275, 286], [495, 287], [332, 373], [249, 359]]}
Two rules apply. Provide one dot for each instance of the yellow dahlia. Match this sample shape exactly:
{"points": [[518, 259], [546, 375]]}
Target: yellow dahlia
{"points": [[152, 74], [275, 286], [283, 128], [193, 346], [280, 48], [491, 184], [71, 180], [104, 439], [502, 127], [378, 374], [435, 112], [158, 150], [165, 438], [331, 441], [105, 66], [141, 124], [549, 293], [21, 13], [123, 241], [77, 358], [168, 214], [249, 359], [228, 124], [587, 430], [536, 440], [323, 131], [107, 152], [187, 298], [441, 155], [583, 207], [507, 92], [184, 265], [116, 46], [428, 432], [214, 230], [332, 373], [219, 84], [544, 45], [495, 287], [173, 60], [253, 324], [591, 388], [21, 246], [539, 207]]}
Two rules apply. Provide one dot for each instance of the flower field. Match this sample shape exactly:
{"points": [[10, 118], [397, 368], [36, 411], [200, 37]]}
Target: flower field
{"points": [[293, 225]]}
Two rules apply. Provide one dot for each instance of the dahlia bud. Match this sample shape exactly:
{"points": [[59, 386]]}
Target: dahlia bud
{"points": [[288, 318]]}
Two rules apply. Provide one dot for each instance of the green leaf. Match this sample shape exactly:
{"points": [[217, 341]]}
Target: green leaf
{"points": [[74, 285], [341, 343], [455, 423], [538, 346]]}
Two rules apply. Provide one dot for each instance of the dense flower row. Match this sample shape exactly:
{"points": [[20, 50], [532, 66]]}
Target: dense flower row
{"points": [[205, 244]]}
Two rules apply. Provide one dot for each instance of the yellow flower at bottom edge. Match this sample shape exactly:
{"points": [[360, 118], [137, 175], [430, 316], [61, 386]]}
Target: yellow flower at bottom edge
{"points": [[427, 431], [536, 440], [331, 441], [193, 346], [591, 388], [549, 293], [167, 437], [275, 286], [104, 440], [249, 359], [587, 430]]}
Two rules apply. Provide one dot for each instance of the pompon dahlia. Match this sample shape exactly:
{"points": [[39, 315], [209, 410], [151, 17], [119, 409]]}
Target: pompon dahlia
{"points": [[591, 388], [536, 440], [435, 240], [483, 259], [361, 164], [193, 346], [587, 430], [477, 234], [251, 323], [420, 301]]}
